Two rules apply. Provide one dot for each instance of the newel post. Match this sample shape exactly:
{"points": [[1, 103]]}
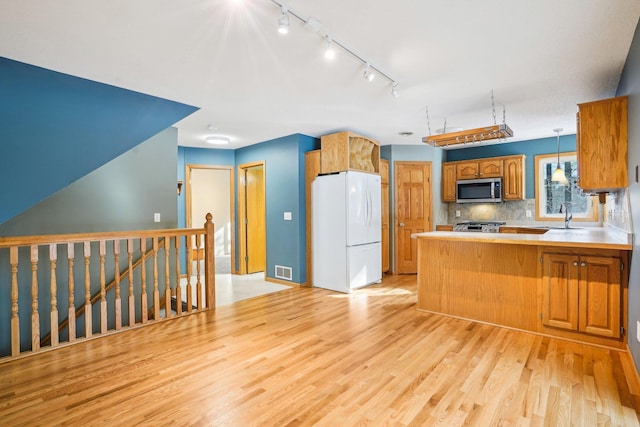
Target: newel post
{"points": [[209, 263]]}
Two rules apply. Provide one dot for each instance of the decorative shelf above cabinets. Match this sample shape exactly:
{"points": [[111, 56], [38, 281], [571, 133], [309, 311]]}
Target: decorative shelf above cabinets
{"points": [[345, 151]]}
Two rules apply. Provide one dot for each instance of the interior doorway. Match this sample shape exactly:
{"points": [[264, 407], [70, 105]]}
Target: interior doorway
{"points": [[210, 189], [413, 206], [252, 240]]}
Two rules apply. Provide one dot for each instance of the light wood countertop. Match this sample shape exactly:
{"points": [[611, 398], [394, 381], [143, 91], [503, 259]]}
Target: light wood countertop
{"points": [[588, 237]]}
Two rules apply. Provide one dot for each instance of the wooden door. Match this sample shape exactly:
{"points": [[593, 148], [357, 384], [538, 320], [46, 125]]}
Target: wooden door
{"points": [[560, 291], [448, 182], [412, 211], [252, 218], [384, 179], [599, 290]]}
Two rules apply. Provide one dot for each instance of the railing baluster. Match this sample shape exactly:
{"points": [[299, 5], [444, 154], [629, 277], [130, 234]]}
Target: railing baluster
{"points": [[156, 293], [53, 257], [188, 248], [143, 275], [15, 320], [167, 285], [132, 300], [103, 294], [198, 282], [118, 302], [35, 317], [209, 263], [178, 288], [88, 320], [70, 284]]}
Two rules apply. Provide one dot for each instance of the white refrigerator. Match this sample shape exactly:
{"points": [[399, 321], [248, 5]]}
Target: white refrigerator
{"points": [[347, 221]]}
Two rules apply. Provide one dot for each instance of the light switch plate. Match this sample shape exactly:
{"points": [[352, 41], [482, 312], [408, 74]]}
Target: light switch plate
{"points": [[457, 214], [287, 216], [528, 213], [156, 217]]}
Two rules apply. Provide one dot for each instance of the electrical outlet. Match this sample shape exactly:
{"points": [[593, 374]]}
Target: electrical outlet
{"points": [[458, 214], [638, 331], [528, 213]]}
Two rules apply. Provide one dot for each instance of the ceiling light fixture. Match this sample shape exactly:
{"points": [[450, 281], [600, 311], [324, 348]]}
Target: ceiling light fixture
{"points": [[368, 74], [283, 21], [558, 175], [488, 133], [314, 25], [217, 140], [394, 90], [329, 52]]}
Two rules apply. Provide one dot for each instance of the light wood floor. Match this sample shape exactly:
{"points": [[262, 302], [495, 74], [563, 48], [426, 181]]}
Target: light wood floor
{"points": [[310, 356]]}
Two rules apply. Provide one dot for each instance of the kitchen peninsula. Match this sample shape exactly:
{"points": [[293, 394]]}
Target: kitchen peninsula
{"points": [[569, 283]]}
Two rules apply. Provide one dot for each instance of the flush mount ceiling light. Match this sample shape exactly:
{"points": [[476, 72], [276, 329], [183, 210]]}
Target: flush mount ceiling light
{"points": [[558, 174], [217, 140], [283, 21], [314, 25], [487, 133]]}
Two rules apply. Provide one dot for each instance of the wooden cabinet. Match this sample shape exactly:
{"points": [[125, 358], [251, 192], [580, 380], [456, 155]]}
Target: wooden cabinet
{"points": [[386, 253], [484, 168], [601, 145], [344, 151], [448, 182], [444, 227], [513, 187], [582, 293]]}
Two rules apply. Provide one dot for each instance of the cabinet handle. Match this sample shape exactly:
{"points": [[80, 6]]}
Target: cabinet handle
{"points": [[584, 264], [575, 263], [402, 224]]}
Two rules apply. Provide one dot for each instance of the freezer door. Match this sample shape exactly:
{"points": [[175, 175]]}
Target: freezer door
{"points": [[364, 265], [364, 220]]}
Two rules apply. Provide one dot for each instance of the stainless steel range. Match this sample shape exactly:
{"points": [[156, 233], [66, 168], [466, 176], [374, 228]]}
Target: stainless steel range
{"points": [[479, 226]]}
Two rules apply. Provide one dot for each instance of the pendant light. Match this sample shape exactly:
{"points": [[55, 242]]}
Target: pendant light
{"points": [[558, 175]]}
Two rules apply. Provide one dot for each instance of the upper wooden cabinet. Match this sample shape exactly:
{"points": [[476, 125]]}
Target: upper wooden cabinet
{"points": [[345, 151], [513, 187], [483, 168], [448, 182], [509, 168], [601, 145]]}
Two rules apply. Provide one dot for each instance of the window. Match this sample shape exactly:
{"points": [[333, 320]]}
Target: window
{"points": [[552, 197]]}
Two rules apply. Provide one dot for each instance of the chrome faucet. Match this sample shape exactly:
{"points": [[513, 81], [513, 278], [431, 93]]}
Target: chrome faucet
{"points": [[568, 215]]}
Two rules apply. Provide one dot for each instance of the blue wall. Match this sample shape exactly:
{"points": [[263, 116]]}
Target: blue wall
{"points": [[529, 148], [284, 180], [56, 128], [630, 86]]}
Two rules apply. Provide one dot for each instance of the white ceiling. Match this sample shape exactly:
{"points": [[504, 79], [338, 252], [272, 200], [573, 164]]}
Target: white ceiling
{"points": [[225, 56]]}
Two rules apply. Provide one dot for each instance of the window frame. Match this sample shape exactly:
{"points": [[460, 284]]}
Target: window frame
{"points": [[540, 191]]}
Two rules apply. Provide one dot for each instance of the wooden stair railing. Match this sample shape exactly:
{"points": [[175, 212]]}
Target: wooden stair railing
{"points": [[46, 340], [22, 280]]}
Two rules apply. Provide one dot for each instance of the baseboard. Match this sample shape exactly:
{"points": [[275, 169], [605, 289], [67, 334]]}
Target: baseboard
{"points": [[282, 282]]}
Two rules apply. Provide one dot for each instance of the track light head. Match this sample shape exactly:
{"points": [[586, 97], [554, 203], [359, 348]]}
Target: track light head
{"points": [[329, 52], [283, 21], [394, 90], [368, 74]]}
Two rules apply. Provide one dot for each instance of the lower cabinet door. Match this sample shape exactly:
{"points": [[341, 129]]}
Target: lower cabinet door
{"points": [[599, 291], [560, 291]]}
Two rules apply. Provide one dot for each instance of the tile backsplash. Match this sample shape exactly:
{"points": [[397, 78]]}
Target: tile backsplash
{"points": [[618, 212]]}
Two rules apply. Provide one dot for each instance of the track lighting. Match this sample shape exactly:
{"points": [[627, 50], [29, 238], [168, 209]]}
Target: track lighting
{"points": [[283, 21], [368, 74], [329, 52], [394, 90]]}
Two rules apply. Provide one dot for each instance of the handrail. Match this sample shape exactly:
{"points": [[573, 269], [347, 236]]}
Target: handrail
{"points": [[38, 279], [96, 296]]}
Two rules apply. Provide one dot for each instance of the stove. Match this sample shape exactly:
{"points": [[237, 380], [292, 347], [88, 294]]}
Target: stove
{"points": [[479, 226]]}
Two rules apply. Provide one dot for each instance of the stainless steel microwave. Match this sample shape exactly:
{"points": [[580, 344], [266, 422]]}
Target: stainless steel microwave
{"points": [[486, 190]]}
